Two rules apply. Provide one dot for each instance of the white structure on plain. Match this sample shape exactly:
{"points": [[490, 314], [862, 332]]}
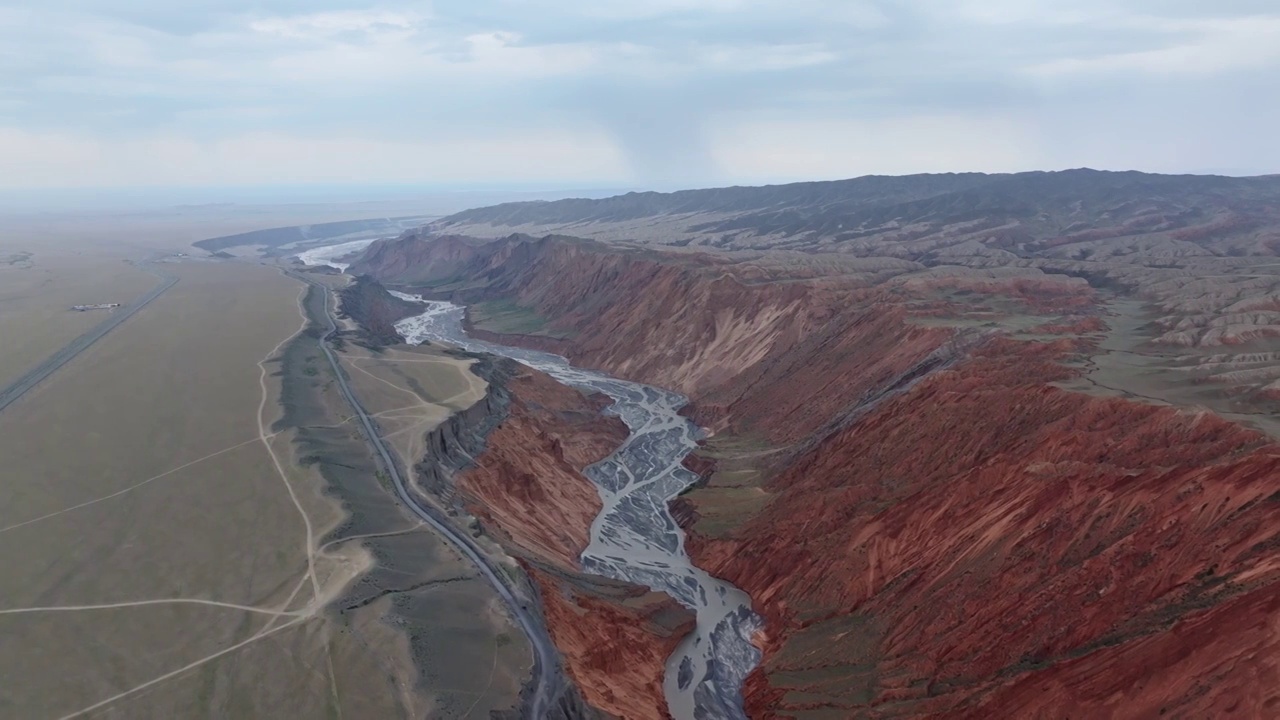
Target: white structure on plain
{"points": [[99, 306]]}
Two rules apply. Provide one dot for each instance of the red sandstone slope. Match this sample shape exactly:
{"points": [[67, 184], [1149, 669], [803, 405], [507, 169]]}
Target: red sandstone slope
{"points": [[528, 483], [615, 638], [956, 549], [779, 359], [527, 488], [946, 532]]}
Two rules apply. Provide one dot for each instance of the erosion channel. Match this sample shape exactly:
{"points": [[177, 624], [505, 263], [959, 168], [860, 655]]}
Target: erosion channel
{"points": [[635, 538]]}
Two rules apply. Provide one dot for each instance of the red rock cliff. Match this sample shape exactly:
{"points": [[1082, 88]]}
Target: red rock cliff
{"points": [[528, 482], [988, 544], [779, 359], [528, 489], [934, 528]]}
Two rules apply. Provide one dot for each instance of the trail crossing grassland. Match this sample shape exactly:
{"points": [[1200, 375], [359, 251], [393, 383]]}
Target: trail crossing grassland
{"points": [[51, 364], [544, 676]]}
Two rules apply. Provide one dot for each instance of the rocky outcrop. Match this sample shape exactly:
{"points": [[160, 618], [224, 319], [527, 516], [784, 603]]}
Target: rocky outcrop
{"points": [[407, 260], [523, 481], [528, 484], [454, 444], [1081, 214], [375, 310], [616, 638]]}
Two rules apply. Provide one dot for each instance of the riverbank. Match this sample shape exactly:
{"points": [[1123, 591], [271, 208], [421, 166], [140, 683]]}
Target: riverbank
{"points": [[634, 538]]}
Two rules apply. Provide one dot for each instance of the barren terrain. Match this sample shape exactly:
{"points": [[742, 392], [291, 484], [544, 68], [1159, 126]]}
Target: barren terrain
{"points": [[981, 446], [977, 446], [411, 390], [192, 526], [36, 295], [145, 475]]}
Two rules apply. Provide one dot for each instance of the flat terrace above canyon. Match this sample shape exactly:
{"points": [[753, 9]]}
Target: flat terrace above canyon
{"points": [[411, 390], [466, 657], [37, 291]]}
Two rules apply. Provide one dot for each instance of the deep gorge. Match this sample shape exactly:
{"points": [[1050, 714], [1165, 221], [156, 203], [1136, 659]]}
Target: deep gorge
{"points": [[926, 519]]}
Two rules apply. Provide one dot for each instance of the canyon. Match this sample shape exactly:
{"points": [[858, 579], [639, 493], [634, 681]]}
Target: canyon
{"points": [[527, 489], [634, 538], [976, 446]]}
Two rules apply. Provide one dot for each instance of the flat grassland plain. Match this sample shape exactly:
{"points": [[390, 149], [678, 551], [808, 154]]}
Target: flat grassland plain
{"points": [[173, 542], [36, 292], [49, 262]]}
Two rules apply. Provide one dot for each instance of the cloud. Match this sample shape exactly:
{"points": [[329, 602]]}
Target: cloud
{"points": [[764, 58], [1205, 47], [333, 24], [663, 91]]}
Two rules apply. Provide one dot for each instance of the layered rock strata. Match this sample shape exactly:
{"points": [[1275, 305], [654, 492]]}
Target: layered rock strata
{"points": [[929, 521], [527, 489]]}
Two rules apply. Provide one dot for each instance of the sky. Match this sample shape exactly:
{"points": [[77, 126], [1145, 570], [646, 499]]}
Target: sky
{"points": [[635, 93]]}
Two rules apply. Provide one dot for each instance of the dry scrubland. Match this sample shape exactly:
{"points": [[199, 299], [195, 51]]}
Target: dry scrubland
{"points": [[167, 552], [1130, 362], [137, 474], [49, 262], [156, 558], [35, 294], [173, 229]]}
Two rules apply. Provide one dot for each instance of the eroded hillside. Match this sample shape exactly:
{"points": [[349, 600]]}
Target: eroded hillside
{"points": [[1040, 481]]}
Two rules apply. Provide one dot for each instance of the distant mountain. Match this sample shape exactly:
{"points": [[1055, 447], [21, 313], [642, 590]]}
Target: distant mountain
{"points": [[919, 217]]}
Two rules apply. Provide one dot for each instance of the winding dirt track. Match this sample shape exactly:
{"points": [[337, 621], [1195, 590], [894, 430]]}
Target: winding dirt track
{"points": [[281, 618]]}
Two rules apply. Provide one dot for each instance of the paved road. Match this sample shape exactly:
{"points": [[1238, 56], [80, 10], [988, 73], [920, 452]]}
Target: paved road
{"points": [[39, 373], [544, 653]]}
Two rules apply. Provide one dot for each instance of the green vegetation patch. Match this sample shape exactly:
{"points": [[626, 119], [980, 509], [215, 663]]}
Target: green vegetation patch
{"points": [[735, 493], [724, 510], [736, 447], [451, 283], [508, 318], [829, 664]]}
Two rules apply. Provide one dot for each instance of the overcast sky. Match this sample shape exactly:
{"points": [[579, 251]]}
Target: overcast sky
{"points": [[661, 93]]}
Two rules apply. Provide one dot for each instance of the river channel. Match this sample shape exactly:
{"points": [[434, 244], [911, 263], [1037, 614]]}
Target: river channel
{"points": [[635, 538]]}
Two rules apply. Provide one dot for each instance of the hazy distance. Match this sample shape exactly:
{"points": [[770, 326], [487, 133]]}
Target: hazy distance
{"points": [[501, 95]]}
